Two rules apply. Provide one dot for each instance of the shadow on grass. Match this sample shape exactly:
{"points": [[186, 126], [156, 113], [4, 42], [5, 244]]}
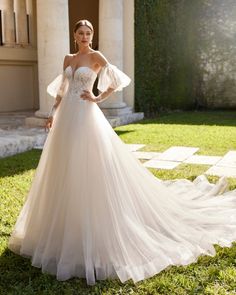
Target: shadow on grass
{"points": [[19, 163], [120, 132], [18, 276], [218, 118]]}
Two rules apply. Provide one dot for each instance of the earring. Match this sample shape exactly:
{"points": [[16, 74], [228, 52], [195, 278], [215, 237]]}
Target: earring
{"points": [[75, 45], [91, 43]]}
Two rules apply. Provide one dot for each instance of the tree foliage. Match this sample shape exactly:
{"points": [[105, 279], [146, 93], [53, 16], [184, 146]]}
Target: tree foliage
{"points": [[185, 55]]}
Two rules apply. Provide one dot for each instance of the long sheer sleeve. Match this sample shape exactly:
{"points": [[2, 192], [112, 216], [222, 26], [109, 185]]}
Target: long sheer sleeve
{"points": [[111, 76], [58, 86]]}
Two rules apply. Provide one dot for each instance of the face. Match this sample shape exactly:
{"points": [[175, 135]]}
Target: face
{"points": [[83, 36]]}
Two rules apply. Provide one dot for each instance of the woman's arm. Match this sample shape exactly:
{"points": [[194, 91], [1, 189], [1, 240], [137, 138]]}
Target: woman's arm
{"points": [[100, 61], [88, 95], [58, 98]]}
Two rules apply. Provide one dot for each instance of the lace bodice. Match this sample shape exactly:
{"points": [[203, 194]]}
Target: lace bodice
{"points": [[73, 82], [81, 79]]}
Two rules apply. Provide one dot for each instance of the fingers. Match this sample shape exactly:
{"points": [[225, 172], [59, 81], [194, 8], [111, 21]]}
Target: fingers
{"points": [[48, 125], [86, 95], [46, 128]]}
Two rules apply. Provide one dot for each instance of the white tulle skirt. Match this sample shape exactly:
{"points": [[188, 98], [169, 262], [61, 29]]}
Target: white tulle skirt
{"points": [[94, 212]]}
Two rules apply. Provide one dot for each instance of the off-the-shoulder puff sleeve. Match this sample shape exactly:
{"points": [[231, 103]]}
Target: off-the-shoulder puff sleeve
{"points": [[58, 86], [111, 76]]}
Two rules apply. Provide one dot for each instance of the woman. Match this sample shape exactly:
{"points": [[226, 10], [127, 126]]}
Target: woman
{"points": [[93, 211]]}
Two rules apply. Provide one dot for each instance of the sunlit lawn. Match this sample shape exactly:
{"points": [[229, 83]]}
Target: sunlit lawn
{"points": [[213, 132]]}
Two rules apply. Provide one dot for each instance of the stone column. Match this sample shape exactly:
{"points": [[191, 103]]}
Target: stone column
{"points": [[111, 43], [7, 7], [129, 50], [21, 22], [31, 12], [53, 45]]}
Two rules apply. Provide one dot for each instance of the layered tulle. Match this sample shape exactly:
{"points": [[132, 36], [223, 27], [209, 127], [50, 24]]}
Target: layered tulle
{"points": [[94, 212]]}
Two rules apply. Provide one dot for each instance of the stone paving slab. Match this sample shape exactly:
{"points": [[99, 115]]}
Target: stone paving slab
{"points": [[229, 160], [178, 153], [159, 164], [135, 147], [222, 171], [203, 160], [20, 140], [146, 155]]}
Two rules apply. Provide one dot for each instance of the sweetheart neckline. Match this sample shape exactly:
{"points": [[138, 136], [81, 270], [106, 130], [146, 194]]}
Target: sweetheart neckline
{"points": [[73, 72]]}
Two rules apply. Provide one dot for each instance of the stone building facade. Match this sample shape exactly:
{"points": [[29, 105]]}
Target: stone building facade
{"points": [[37, 34]]}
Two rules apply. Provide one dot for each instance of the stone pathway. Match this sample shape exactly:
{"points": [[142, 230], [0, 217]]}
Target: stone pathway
{"points": [[174, 156], [17, 140]]}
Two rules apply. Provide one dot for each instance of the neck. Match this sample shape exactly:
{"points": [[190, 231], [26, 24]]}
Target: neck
{"points": [[84, 50]]}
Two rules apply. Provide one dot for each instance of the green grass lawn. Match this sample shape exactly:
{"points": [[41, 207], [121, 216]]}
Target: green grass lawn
{"points": [[213, 132]]}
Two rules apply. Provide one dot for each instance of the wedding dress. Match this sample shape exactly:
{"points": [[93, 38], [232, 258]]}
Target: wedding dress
{"points": [[95, 212]]}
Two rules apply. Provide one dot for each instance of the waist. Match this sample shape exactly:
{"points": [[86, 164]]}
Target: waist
{"points": [[74, 94]]}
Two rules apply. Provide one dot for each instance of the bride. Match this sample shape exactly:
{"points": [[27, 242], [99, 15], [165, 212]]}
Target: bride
{"points": [[93, 211]]}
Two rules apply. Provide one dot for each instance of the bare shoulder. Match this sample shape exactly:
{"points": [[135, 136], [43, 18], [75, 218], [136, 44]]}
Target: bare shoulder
{"points": [[67, 60], [99, 58]]}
